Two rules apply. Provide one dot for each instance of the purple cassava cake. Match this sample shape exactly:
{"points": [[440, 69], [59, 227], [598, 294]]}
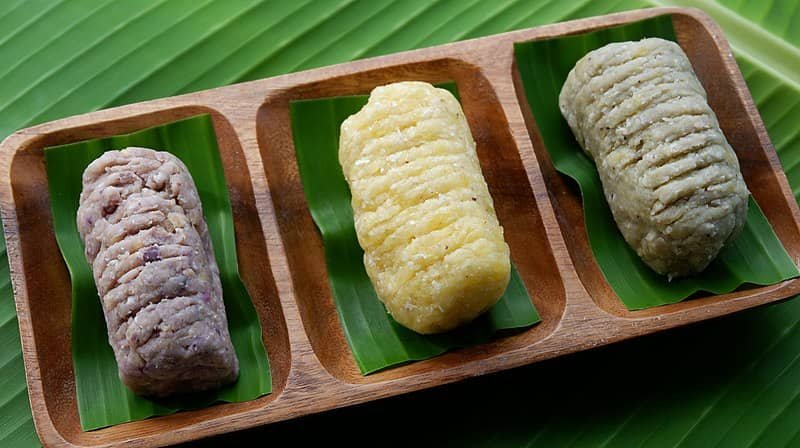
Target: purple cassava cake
{"points": [[142, 224]]}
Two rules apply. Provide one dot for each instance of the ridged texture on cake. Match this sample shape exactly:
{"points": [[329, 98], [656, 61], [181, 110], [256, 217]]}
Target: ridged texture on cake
{"points": [[669, 175], [433, 247], [148, 245]]}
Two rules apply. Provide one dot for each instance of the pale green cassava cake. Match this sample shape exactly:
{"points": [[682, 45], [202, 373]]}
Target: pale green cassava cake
{"points": [[669, 175]]}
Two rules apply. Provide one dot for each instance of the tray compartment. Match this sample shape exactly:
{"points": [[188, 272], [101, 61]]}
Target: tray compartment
{"points": [[504, 173], [742, 126], [48, 283]]}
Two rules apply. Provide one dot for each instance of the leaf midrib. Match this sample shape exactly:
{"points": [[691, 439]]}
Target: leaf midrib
{"points": [[750, 41]]}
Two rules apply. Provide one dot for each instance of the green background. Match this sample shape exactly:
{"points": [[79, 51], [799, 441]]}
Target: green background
{"points": [[730, 382]]}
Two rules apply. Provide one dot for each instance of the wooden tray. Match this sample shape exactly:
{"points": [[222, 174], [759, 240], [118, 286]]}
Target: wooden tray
{"points": [[281, 254]]}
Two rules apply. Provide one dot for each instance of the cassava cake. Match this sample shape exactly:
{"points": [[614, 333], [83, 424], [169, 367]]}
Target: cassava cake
{"points": [[433, 247], [145, 238], [669, 175]]}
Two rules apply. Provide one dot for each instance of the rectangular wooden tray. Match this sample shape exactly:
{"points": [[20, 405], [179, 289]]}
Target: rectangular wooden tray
{"points": [[281, 254]]}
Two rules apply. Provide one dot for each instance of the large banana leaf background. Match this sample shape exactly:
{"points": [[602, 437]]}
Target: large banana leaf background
{"points": [[730, 382]]}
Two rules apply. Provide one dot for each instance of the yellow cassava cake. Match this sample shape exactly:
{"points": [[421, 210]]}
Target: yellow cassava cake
{"points": [[433, 247]]}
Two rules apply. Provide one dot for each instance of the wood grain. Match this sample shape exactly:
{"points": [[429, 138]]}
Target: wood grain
{"points": [[280, 251]]}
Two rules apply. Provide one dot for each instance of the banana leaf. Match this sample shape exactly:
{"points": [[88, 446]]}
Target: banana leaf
{"points": [[731, 382], [102, 398], [376, 340], [756, 257]]}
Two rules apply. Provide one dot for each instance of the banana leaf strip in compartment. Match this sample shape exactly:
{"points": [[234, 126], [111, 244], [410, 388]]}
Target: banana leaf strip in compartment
{"points": [[103, 399], [377, 341], [756, 257]]}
